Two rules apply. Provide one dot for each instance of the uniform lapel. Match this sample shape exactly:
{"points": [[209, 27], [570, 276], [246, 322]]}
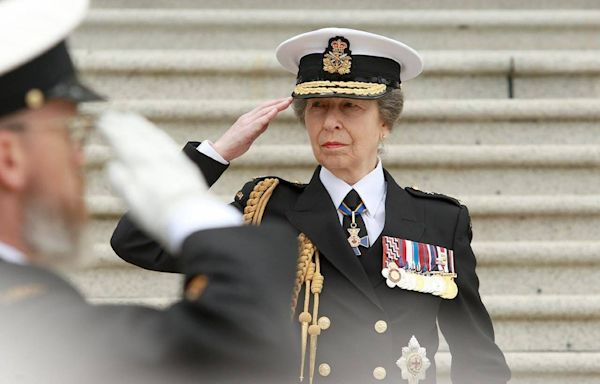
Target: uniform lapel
{"points": [[315, 215], [404, 215]]}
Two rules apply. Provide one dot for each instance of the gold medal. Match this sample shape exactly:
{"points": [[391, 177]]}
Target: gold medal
{"points": [[408, 281], [429, 286], [439, 285], [451, 289], [420, 283]]}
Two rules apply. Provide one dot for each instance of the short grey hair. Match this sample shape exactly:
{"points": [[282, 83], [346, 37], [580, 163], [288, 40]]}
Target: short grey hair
{"points": [[390, 107]]}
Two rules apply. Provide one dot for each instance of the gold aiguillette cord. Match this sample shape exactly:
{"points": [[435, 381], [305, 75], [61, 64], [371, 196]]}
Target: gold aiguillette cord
{"points": [[315, 330], [305, 316]]}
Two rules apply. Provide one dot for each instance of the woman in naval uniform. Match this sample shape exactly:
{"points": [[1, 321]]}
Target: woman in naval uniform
{"points": [[379, 266]]}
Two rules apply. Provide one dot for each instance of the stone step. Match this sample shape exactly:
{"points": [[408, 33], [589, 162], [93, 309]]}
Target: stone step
{"points": [[430, 122], [265, 29], [521, 322], [518, 227], [190, 74], [501, 219], [419, 156], [540, 367], [490, 254], [545, 322], [501, 170], [479, 206], [545, 267], [516, 268], [348, 4], [499, 181], [125, 282], [545, 367], [454, 170], [483, 180]]}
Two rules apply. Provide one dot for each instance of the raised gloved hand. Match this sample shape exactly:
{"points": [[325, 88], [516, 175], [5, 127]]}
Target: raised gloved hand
{"points": [[166, 193]]}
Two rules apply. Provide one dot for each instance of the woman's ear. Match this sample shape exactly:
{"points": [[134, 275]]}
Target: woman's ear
{"points": [[13, 167], [384, 131]]}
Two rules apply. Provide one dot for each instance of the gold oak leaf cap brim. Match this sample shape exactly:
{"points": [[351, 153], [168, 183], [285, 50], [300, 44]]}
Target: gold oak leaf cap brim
{"points": [[350, 89]]}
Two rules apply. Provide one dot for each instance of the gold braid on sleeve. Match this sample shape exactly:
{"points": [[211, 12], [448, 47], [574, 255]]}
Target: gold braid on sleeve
{"points": [[308, 274]]}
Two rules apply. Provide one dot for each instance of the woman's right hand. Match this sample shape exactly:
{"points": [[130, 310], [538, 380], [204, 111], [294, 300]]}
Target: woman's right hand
{"points": [[239, 137]]}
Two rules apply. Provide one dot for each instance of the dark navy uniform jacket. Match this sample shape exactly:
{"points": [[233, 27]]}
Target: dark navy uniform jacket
{"points": [[355, 296], [232, 325]]}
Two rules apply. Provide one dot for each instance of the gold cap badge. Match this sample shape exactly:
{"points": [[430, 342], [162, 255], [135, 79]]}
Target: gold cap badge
{"points": [[337, 57]]}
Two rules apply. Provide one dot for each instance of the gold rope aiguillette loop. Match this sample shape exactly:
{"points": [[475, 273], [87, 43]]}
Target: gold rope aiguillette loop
{"points": [[257, 201], [308, 273]]}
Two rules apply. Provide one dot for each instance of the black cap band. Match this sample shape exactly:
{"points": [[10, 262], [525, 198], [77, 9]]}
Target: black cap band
{"points": [[368, 69], [47, 73]]}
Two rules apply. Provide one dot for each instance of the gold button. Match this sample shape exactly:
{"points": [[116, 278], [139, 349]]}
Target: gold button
{"points": [[324, 369], [195, 287], [34, 99], [380, 326], [379, 373], [324, 322]]}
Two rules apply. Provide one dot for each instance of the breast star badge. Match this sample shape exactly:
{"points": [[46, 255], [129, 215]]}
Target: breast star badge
{"points": [[413, 362]]}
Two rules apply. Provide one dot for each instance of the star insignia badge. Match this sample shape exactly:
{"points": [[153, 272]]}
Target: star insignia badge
{"points": [[414, 362]]}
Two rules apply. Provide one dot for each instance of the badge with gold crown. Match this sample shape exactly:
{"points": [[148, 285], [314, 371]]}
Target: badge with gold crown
{"points": [[337, 57]]}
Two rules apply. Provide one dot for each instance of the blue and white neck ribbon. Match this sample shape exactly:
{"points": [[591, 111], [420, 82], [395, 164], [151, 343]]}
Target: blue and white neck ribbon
{"points": [[348, 212]]}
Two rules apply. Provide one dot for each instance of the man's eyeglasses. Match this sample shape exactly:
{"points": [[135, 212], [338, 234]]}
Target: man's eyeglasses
{"points": [[78, 127]]}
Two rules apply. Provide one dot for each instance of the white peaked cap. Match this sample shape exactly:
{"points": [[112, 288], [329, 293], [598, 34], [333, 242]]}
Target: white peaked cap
{"points": [[292, 50], [30, 27]]}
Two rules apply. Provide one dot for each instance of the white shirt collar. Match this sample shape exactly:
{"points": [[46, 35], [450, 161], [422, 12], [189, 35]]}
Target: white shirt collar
{"points": [[11, 255], [371, 187]]}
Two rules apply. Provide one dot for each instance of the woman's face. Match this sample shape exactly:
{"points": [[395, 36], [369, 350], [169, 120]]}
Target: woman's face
{"points": [[345, 135]]}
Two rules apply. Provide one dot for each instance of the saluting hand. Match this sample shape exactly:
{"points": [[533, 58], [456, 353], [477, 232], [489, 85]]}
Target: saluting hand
{"points": [[237, 140], [157, 185]]}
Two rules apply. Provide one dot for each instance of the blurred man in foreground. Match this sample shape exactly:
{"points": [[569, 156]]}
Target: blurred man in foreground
{"points": [[232, 325]]}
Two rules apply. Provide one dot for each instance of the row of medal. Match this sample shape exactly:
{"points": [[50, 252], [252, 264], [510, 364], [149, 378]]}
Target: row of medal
{"points": [[419, 267]]}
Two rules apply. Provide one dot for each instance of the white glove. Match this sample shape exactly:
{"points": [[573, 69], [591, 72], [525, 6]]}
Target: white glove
{"points": [[166, 194]]}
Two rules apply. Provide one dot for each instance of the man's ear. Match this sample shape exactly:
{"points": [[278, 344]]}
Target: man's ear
{"points": [[13, 167]]}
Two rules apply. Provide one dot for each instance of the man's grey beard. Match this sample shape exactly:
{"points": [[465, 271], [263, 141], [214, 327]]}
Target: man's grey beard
{"points": [[52, 236]]}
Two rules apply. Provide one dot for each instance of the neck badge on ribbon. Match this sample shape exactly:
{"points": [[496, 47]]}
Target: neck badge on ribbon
{"points": [[354, 239]]}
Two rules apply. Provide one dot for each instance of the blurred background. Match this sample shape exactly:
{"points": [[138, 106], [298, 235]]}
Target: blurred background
{"points": [[505, 117]]}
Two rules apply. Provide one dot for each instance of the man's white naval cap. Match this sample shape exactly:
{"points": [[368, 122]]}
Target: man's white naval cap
{"points": [[35, 65], [342, 62]]}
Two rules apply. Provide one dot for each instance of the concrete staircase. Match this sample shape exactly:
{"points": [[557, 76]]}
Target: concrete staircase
{"points": [[505, 117]]}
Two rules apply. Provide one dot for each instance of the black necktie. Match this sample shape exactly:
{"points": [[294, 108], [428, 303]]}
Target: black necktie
{"points": [[353, 203]]}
